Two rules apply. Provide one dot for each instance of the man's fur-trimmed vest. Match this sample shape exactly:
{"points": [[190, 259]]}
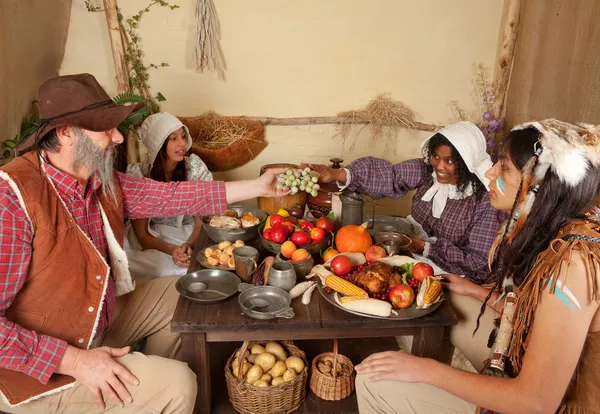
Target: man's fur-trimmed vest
{"points": [[67, 276]]}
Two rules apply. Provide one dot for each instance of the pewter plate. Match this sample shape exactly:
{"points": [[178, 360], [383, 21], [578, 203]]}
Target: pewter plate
{"points": [[382, 224], [403, 314], [214, 279], [202, 259]]}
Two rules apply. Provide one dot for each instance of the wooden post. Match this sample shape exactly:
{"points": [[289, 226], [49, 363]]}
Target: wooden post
{"points": [[121, 71], [505, 58]]}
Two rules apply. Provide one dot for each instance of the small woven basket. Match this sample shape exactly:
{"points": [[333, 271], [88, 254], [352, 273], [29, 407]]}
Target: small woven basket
{"points": [[284, 398], [332, 388]]}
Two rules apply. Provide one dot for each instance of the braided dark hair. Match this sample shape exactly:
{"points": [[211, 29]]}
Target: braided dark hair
{"points": [[463, 175]]}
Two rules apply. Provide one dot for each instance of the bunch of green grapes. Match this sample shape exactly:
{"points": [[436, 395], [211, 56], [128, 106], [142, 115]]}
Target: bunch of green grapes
{"points": [[299, 180]]}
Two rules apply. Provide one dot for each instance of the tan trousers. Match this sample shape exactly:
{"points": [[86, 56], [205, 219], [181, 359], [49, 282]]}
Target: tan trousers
{"points": [[166, 385], [406, 398], [474, 348]]}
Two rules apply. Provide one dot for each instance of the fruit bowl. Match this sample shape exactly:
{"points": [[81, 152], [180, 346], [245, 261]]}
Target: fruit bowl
{"points": [[313, 248]]}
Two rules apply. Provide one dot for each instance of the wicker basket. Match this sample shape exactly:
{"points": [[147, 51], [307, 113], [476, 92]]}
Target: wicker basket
{"points": [[332, 388], [234, 155], [284, 398]]}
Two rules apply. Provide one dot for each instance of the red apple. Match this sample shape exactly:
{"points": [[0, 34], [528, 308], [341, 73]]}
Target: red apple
{"points": [[374, 253], [276, 219], [325, 224], [317, 234], [401, 296], [267, 234], [289, 226], [300, 238], [341, 265], [422, 270], [279, 234], [292, 220], [306, 225]]}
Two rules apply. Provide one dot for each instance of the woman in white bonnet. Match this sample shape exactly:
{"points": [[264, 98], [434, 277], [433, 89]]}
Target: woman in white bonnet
{"points": [[454, 224], [163, 247]]}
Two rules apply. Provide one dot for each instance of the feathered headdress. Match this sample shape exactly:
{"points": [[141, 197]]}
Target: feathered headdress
{"points": [[569, 150]]}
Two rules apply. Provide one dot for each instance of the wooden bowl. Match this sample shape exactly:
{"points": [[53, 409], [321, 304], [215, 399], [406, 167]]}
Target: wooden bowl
{"points": [[271, 205]]}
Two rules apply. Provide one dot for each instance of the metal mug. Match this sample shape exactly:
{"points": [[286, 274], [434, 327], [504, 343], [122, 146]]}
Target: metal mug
{"points": [[245, 258], [391, 247], [282, 275]]}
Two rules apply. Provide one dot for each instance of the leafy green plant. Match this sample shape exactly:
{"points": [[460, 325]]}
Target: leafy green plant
{"points": [[28, 125], [139, 75], [135, 118]]}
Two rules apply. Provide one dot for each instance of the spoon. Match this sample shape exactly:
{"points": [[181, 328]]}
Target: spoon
{"points": [[258, 303], [198, 287]]}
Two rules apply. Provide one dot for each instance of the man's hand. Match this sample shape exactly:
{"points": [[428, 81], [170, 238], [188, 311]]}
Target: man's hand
{"points": [[394, 366], [267, 183], [100, 373], [327, 174], [180, 255]]}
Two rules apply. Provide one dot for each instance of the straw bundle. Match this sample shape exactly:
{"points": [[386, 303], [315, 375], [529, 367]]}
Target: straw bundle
{"points": [[385, 116]]}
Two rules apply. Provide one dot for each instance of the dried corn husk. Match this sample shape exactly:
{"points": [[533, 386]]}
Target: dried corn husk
{"points": [[430, 292]]}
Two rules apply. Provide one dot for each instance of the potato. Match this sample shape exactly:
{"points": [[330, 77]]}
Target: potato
{"points": [[212, 261], [277, 381], [257, 349], [237, 354], [267, 378], [252, 358], [254, 374], [277, 350], [266, 361], [261, 384], [278, 369], [245, 368], [239, 243], [224, 244], [296, 363], [289, 375]]}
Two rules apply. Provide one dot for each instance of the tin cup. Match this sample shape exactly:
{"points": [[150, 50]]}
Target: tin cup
{"points": [[391, 247], [245, 258]]}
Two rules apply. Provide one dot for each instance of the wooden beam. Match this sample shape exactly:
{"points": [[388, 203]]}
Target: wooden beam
{"points": [[322, 120], [121, 71], [505, 58]]}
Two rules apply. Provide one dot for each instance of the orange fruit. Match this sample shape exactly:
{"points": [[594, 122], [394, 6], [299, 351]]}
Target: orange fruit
{"points": [[287, 249]]}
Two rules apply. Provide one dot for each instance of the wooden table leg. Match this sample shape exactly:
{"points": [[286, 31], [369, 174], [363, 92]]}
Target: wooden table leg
{"points": [[195, 352], [428, 343]]}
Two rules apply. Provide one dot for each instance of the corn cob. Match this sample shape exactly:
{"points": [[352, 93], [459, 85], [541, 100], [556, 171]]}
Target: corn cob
{"points": [[433, 292], [347, 299], [430, 292], [343, 286]]}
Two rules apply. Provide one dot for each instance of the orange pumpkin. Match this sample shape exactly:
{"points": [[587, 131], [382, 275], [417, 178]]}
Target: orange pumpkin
{"points": [[351, 238]]}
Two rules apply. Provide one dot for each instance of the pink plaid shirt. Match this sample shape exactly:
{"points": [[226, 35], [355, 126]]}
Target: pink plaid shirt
{"points": [[38, 355]]}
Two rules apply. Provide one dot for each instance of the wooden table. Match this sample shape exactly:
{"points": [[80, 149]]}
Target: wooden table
{"points": [[200, 324]]}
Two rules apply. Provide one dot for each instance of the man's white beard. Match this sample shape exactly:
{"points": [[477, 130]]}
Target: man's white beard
{"points": [[96, 161]]}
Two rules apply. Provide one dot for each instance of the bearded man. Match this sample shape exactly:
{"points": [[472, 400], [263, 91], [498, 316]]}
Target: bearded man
{"points": [[68, 306]]}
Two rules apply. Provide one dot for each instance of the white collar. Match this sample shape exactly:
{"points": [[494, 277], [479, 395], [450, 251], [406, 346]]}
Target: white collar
{"points": [[440, 193]]}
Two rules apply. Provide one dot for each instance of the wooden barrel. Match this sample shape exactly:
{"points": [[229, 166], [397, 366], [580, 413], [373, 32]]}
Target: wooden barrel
{"points": [[271, 205]]}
